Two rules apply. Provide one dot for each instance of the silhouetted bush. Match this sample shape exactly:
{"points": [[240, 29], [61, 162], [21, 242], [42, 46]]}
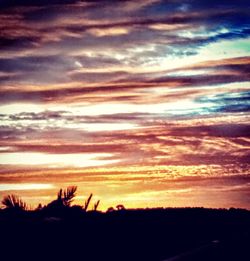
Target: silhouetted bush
{"points": [[14, 202]]}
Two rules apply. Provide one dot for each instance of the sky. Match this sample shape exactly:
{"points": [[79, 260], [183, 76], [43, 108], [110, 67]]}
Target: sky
{"points": [[142, 103]]}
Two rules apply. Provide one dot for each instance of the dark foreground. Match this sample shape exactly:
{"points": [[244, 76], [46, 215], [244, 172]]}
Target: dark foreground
{"points": [[154, 234]]}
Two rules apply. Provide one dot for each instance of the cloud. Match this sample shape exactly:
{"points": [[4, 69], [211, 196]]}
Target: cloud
{"points": [[62, 74], [161, 87], [215, 130], [229, 102]]}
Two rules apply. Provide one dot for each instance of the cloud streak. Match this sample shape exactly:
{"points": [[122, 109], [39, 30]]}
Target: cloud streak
{"points": [[135, 94]]}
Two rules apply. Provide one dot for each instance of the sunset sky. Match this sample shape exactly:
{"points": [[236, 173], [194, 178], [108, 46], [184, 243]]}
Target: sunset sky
{"points": [[143, 103]]}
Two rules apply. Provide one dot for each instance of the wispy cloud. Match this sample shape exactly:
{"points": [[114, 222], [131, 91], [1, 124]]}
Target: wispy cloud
{"points": [[127, 84]]}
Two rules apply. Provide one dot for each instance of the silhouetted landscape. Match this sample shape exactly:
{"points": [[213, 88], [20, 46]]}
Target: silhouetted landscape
{"points": [[63, 231], [143, 103]]}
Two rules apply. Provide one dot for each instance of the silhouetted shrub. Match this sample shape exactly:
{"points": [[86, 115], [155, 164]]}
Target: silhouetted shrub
{"points": [[14, 202]]}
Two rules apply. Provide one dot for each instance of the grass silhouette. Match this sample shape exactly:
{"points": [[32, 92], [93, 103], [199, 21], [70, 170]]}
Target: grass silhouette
{"points": [[96, 205], [87, 202]]}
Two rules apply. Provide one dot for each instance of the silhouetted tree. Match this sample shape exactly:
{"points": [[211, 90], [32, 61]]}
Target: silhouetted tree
{"points": [[68, 195], [120, 207], [14, 202], [39, 207], [64, 198], [110, 209]]}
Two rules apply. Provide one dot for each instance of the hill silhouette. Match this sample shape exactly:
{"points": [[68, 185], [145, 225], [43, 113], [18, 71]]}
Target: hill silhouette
{"points": [[62, 231]]}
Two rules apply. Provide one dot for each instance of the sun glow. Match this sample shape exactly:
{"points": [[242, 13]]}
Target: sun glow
{"points": [[57, 160], [25, 186]]}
